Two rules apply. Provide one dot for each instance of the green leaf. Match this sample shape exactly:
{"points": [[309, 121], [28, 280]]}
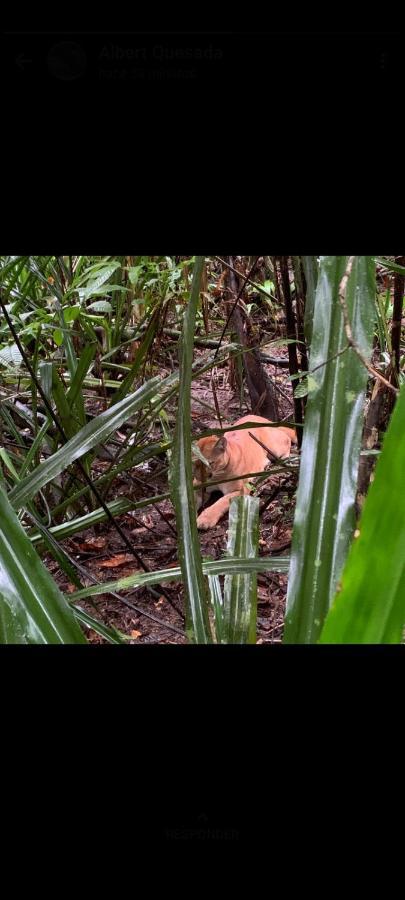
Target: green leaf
{"points": [[392, 266], [217, 601], [8, 463], [111, 289], [58, 337], [93, 433], [93, 286], [225, 566], [310, 267], [370, 607], [67, 418], [10, 355], [139, 358], [302, 389], [324, 517], [134, 273], [45, 370], [32, 608], [7, 417], [71, 313], [74, 526], [111, 634], [35, 446], [181, 481], [100, 306], [83, 366], [240, 591]]}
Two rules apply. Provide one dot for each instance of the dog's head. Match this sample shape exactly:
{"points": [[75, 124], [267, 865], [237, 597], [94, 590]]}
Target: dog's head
{"points": [[214, 451]]}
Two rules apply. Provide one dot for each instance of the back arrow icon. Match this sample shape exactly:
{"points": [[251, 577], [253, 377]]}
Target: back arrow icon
{"points": [[21, 61]]}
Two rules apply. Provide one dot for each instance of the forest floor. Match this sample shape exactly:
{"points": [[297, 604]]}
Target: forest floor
{"points": [[152, 532]]}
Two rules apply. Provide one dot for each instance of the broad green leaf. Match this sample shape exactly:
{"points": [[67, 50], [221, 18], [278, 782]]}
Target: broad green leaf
{"points": [[134, 273], [225, 566], [56, 550], [310, 267], [111, 289], [95, 432], [240, 591], [66, 412], [324, 517], [71, 313], [8, 463], [58, 337], [59, 554], [6, 415], [392, 266], [90, 271], [83, 365], [217, 602], [14, 262], [36, 445], [10, 355], [302, 389], [111, 634], [181, 482], [72, 364], [370, 606], [75, 526], [45, 370], [117, 507], [32, 608], [103, 276], [100, 306]]}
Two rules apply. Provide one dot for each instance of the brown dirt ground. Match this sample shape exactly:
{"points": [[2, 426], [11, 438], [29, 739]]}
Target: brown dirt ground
{"points": [[152, 534]]}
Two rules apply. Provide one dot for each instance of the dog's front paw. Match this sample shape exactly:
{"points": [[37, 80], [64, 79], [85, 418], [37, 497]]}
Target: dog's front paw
{"points": [[205, 521]]}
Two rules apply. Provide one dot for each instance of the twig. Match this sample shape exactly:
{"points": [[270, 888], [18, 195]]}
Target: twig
{"points": [[141, 612], [273, 493], [275, 360], [155, 505], [278, 459], [349, 334], [330, 359], [214, 394]]}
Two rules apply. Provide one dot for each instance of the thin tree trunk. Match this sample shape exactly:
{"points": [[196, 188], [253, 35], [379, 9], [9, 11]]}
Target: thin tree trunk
{"points": [[291, 335], [261, 391]]}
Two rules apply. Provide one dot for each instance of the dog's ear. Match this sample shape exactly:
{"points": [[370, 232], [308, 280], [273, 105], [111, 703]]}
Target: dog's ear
{"points": [[220, 445]]}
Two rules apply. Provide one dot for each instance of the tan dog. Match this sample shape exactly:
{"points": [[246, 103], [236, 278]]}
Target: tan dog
{"points": [[236, 453]]}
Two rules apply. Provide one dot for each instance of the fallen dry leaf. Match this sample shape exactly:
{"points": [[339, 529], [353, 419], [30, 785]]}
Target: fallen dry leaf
{"points": [[116, 561], [92, 544]]}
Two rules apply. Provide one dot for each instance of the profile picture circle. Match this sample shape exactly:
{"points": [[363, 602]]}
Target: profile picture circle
{"points": [[67, 61]]}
